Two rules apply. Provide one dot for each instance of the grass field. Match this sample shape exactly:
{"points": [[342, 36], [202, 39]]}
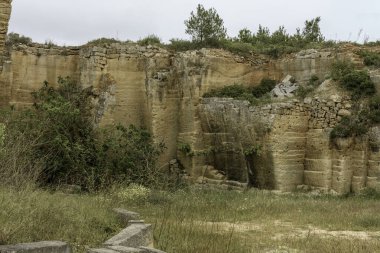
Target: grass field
{"points": [[198, 220]]}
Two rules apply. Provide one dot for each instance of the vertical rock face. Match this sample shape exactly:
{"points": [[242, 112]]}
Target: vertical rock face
{"points": [[286, 145], [5, 14], [276, 146]]}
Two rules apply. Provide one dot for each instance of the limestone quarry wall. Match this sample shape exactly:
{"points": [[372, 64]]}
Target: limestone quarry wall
{"points": [[146, 86], [293, 144], [162, 91]]}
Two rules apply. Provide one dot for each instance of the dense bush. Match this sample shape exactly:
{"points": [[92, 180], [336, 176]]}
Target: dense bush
{"points": [[374, 110], [231, 91], [358, 82], [180, 45], [15, 39], [102, 42], [265, 86], [349, 126], [149, 40], [58, 135], [255, 96], [370, 58]]}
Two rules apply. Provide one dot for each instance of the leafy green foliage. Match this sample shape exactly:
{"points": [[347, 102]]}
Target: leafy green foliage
{"points": [[255, 95], [265, 86], [349, 126], [180, 45], [205, 26], [370, 58], [150, 40], [312, 31], [128, 154], [359, 83], [253, 150], [71, 150], [356, 81], [339, 69], [185, 148], [280, 42], [15, 38], [374, 110], [359, 124], [304, 90], [102, 42], [69, 138], [231, 91]]}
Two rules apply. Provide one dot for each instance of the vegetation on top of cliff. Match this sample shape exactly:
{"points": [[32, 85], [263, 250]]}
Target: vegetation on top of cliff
{"points": [[255, 95], [205, 26], [360, 85], [102, 42], [358, 82], [56, 142], [370, 58], [149, 40], [207, 30], [15, 39]]}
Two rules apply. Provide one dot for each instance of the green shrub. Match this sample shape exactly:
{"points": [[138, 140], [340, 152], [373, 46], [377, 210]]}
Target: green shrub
{"points": [[127, 155], [149, 40], [237, 47], [358, 82], [374, 110], [60, 137], [184, 148], [18, 170], [340, 69], [50, 44], [349, 127], [180, 45], [102, 42], [232, 91], [304, 91], [265, 86], [313, 80], [370, 58], [15, 38]]}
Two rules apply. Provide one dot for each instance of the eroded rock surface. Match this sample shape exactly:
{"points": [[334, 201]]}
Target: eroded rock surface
{"points": [[162, 91]]}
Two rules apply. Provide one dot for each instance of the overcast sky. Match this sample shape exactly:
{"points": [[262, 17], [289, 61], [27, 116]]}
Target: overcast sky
{"points": [[74, 22]]}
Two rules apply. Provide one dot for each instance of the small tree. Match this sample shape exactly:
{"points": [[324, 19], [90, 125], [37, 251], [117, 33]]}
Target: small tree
{"points": [[205, 26], [245, 35], [312, 32]]}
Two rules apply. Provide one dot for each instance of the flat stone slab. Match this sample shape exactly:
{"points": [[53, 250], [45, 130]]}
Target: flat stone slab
{"points": [[125, 215], [37, 247], [135, 235]]}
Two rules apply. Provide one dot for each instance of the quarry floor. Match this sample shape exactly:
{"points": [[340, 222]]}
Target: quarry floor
{"points": [[198, 220]]}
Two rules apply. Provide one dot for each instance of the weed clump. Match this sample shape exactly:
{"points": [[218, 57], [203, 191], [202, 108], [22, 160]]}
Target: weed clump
{"points": [[149, 40], [370, 58], [254, 95]]}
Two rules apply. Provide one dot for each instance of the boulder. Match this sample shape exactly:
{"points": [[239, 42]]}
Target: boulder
{"points": [[286, 88]]}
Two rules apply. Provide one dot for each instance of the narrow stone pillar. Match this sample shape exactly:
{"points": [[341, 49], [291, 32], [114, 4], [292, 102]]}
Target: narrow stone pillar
{"points": [[5, 14]]}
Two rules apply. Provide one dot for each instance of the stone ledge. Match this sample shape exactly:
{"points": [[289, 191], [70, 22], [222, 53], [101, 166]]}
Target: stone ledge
{"points": [[37, 247], [136, 234], [137, 237], [125, 215]]}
